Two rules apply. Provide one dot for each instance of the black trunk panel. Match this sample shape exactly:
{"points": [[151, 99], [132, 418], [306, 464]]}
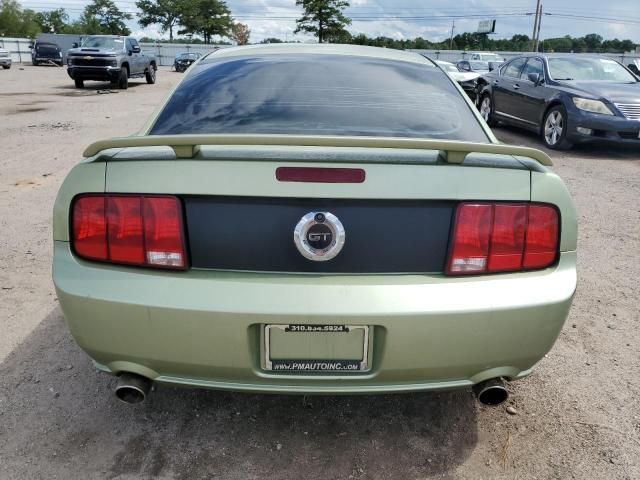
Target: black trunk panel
{"points": [[256, 234]]}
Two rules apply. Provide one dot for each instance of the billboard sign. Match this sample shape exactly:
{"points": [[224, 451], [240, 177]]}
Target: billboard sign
{"points": [[486, 26]]}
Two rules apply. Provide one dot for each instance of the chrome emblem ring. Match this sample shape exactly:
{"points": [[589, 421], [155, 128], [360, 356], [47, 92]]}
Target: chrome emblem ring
{"points": [[319, 236]]}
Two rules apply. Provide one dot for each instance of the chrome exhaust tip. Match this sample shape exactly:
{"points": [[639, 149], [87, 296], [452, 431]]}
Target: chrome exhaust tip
{"points": [[132, 388], [491, 392]]}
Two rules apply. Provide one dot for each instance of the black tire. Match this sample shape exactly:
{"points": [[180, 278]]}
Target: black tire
{"points": [[554, 129], [6, 67], [79, 83], [35, 63], [123, 79], [486, 109], [150, 74]]}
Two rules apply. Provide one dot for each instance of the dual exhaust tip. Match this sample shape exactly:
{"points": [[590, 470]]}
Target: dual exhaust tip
{"points": [[134, 389]]}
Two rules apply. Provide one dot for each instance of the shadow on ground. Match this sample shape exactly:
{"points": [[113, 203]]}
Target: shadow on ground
{"points": [[592, 151], [59, 419]]}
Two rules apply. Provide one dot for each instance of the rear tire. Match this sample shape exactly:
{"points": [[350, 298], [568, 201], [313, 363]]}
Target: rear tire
{"points": [[35, 63], [150, 75], [79, 83], [554, 129], [123, 79], [486, 109], [6, 67]]}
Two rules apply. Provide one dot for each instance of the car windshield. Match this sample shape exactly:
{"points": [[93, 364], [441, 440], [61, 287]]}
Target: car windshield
{"points": [[479, 66], [490, 57], [103, 42], [318, 94], [582, 69], [188, 56]]}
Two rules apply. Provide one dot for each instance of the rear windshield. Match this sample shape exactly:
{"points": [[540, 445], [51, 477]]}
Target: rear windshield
{"points": [[318, 95]]}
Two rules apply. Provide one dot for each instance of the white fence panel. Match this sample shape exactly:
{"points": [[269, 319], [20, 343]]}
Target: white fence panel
{"points": [[18, 48]]}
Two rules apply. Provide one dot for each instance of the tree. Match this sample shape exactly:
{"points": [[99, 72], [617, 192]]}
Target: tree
{"points": [[240, 33], [103, 16], [53, 21], [206, 18], [271, 40], [323, 18], [163, 12], [16, 22]]}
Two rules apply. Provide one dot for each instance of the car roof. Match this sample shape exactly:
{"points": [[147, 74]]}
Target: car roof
{"points": [[320, 49]]}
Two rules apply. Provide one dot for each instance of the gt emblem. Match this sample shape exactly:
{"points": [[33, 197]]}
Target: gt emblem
{"points": [[319, 236]]}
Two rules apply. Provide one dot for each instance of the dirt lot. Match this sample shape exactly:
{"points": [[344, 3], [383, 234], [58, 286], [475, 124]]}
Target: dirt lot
{"points": [[577, 415]]}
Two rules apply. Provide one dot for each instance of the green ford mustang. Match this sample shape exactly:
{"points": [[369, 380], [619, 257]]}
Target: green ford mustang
{"points": [[314, 219]]}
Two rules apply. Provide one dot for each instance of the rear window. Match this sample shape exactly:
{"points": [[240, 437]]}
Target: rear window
{"points": [[318, 95]]}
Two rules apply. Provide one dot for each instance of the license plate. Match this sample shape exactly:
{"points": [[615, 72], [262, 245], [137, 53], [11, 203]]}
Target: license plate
{"points": [[327, 349]]}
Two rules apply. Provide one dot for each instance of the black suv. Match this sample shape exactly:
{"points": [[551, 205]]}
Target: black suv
{"points": [[46, 53]]}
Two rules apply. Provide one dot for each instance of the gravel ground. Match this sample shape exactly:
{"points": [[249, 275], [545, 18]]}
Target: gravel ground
{"points": [[576, 416]]}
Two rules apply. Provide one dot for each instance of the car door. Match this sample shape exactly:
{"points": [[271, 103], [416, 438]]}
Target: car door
{"points": [[505, 87], [134, 61], [531, 96]]}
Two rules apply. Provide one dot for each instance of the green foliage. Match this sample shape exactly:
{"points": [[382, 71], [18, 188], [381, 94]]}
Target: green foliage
{"points": [[53, 21], [272, 40], [518, 43], [162, 12], [325, 19], [104, 17], [16, 22], [206, 18]]}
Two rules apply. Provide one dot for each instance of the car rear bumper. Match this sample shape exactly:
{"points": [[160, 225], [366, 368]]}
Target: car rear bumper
{"points": [[203, 328], [5, 61]]}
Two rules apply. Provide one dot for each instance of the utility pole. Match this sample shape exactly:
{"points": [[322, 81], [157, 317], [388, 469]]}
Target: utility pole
{"points": [[538, 32], [453, 26], [535, 25]]}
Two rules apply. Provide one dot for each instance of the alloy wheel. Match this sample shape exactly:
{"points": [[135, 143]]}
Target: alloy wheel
{"points": [[485, 108], [553, 127]]}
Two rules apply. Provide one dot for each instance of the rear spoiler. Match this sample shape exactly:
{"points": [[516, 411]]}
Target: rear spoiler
{"points": [[187, 146]]}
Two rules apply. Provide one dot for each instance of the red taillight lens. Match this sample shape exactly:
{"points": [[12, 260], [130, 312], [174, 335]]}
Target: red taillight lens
{"points": [[90, 228], [129, 229], [503, 237], [472, 234], [124, 220], [542, 237], [163, 232]]}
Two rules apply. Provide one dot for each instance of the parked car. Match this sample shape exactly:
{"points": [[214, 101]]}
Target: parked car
{"points": [[5, 59], [467, 80], [46, 53], [485, 57], [110, 58], [184, 60], [566, 99], [264, 234], [473, 66]]}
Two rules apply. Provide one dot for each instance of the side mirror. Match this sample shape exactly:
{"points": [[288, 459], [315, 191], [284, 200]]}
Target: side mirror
{"points": [[535, 78], [136, 49], [74, 45], [491, 68]]}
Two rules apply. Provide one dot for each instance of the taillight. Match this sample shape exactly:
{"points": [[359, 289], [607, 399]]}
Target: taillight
{"points": [[503, 237], [129, 229]]}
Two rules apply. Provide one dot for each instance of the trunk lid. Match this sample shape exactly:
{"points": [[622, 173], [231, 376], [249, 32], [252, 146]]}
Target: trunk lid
{"points": [[239, 216]]}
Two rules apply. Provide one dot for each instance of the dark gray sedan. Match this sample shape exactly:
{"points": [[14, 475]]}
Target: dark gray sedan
{"points": [[566, 99]]}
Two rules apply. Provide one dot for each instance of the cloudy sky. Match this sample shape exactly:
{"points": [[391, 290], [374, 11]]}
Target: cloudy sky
{"points": [[431, 19]]}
